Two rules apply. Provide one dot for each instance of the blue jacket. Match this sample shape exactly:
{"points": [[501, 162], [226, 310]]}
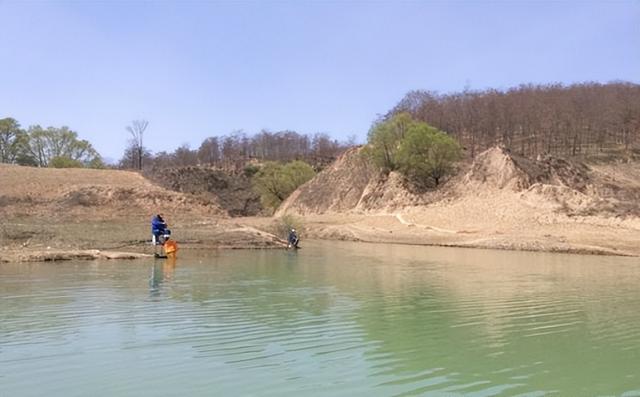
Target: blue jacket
{"points": [[158, 225]]}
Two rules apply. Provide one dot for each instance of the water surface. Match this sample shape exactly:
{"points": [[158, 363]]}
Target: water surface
{"points": [[333, 319]]}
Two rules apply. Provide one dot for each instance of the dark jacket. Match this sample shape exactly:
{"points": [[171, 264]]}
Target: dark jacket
{"points": [[293, 238], [158, 225]]}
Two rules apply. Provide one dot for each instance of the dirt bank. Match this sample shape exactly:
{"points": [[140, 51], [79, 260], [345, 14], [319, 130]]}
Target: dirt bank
{"points": [[498, 201], [59, 213], [49, 255]]}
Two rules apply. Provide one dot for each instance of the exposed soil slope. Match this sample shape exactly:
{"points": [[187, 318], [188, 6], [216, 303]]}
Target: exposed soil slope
{"points": [[97, 194], [498, 201], [352, 184], [81, 209]]}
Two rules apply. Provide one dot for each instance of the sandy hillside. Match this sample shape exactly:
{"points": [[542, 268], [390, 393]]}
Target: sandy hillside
{"points": [[351, 184], [70, 209], [498, 201], [99, 194]]}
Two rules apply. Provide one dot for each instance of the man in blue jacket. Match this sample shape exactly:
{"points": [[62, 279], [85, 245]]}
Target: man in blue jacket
{"points": [[159, 230]]}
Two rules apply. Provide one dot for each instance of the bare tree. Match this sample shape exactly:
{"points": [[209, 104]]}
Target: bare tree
{"points": [[209, 151], [233, 151], [137, 129], [579, 119], [184, 156]]}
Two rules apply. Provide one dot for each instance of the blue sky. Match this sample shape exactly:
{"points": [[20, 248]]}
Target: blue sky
{"points": [[199, 69]]}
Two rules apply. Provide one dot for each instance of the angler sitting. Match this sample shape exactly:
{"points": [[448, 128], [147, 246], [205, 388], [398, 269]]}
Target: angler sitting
{"points": [[159, 231], [293, 239]]}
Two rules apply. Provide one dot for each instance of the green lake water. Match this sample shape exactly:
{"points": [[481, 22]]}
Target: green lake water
{"points": [[333, 319]]}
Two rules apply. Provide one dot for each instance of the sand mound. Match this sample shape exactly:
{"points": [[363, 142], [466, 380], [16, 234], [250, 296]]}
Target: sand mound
{"points": [[97, 194], [556, 198], [337, 188], [496, 169], [549, 183], [352, 183]]}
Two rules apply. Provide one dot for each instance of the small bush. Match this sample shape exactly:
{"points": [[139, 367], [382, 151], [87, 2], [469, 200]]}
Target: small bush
{"points": [[282, 225], [275, 181], [250, 170], [65, 162]]}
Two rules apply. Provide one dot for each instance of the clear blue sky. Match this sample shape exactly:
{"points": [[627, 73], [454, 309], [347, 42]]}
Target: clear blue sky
{"points": [[199, 69]]}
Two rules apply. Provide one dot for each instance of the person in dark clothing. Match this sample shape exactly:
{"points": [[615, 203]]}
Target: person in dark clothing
{"points": [[159, 230], [293, 239]]}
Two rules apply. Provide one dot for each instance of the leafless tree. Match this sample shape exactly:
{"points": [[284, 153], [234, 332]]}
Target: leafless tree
{"points": [[209, 151], [572, 120], [137, 129], [233, 151]]}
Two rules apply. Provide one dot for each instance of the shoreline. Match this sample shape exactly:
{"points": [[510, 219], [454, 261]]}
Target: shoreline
{"points": [[593, 251], [37, 255], [498, 202], [25, 255]]}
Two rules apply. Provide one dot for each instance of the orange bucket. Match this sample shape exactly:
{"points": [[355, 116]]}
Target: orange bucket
{"points": [[170, 247]]}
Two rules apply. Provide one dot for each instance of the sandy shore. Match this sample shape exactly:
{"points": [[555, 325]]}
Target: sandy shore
{"points": [[113, 240], [579, 235], [31, 239], [583, 236], [35, 255], [497, 203]]}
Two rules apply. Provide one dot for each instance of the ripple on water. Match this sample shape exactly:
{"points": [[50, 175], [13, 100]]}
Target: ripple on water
{"points": [[303, 325]]}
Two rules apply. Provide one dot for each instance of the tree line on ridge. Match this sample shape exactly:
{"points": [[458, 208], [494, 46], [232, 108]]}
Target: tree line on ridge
{"points": [[574, 120]]}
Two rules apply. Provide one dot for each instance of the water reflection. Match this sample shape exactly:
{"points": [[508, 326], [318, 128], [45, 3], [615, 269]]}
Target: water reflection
{"points": [[332, 319], [161, 271]]}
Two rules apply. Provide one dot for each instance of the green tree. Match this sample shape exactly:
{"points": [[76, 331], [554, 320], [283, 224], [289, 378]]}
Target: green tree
{"points": [[96, 163], [384, 139], [43, 145], [421, 152], [64, 162], [427, 153], [275, 181], [11, 140]]}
